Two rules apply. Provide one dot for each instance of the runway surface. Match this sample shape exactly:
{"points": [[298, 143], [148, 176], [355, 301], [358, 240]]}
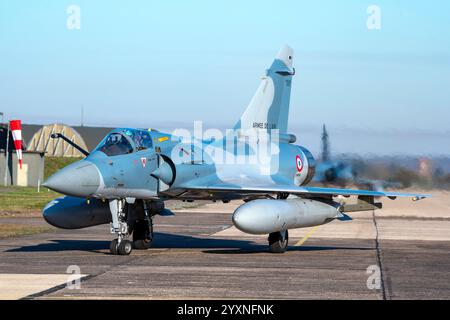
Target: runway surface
{"points": [[197, 254]]}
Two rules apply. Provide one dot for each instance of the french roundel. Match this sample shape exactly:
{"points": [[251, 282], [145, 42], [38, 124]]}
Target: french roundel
{"points": [[299, 163]]}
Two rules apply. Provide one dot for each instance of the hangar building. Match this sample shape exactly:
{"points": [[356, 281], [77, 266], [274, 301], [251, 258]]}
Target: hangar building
{"points": [[37, 145]]}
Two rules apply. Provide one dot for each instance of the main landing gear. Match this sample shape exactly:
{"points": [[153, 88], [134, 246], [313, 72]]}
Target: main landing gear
{"points": [[130, 219], [143, 234], [278, 241]]}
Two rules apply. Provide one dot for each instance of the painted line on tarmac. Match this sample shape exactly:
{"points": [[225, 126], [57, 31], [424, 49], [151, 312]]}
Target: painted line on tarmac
{"points": [[302, 241]]}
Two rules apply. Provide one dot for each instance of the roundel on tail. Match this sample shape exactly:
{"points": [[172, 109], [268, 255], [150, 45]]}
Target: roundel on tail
{"points": [[299, 163]]}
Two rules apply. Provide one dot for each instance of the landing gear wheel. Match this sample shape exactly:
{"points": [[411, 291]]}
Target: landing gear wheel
{"points": [[278, 241], [125, 247], [114, 247], [119, 226], [142, 244], [142, 235]]}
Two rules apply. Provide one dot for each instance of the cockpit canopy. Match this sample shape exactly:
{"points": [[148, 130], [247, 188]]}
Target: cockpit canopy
{"points": [[125, 141]]}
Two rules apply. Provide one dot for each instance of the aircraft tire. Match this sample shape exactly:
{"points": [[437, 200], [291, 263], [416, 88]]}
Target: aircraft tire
{"points": [[142, 235], [278, 241], [125, 247], [114, 247], [142, 244]]}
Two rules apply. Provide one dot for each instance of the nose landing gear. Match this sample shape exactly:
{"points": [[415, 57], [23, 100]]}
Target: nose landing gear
{"points": [[123, 248], [127, 219], [119, 226]]}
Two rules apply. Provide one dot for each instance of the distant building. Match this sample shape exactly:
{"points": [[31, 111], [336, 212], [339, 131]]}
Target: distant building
{"points": [[32, 172], [37, 138], [41, 141], [36, 143]]}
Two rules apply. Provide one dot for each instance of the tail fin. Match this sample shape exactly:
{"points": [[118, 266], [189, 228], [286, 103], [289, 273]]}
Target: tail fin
{"points": [[325, 145], [269, 107]]}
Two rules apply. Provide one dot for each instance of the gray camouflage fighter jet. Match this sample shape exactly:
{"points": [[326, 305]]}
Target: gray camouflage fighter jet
{"points": [[127, 178], [332, 171]]}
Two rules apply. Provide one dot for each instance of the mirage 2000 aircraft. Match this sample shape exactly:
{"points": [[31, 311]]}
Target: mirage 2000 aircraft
{"points": [[332, 171], [127, 178]]}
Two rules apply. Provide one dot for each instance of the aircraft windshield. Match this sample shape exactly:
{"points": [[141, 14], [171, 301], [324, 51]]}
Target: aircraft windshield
{"points": [[116, 144], [141, 138], [126, 141]]}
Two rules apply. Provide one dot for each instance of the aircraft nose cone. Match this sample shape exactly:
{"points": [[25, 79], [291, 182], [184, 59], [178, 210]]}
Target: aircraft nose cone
{"points": [[80, 179]]}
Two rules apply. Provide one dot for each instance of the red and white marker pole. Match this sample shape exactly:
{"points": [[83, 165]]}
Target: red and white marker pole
{"points": [[16, 129]]}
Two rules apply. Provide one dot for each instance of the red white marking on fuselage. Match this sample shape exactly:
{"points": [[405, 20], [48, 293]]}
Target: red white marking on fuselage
{"points": [[144, 161], [299, 163]]}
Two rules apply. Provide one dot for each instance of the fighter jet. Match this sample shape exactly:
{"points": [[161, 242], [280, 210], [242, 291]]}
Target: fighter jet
{"points": [[332, 171], [338, 172], [130, 174]]}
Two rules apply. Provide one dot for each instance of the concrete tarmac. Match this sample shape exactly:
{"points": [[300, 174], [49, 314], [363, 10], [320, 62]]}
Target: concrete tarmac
{"points": [[197, 254]]}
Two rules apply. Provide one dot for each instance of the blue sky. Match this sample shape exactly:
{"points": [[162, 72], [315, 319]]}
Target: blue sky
{"points": [[168, 63]]}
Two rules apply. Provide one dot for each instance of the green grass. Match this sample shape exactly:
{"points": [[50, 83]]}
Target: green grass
{"points": [[24, 199], [27, 199], [53, 164], [15, 230]]}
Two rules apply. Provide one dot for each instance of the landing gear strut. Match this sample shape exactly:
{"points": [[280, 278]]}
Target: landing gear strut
{"points": [[278, 241], [131, 218], [119, 226]]}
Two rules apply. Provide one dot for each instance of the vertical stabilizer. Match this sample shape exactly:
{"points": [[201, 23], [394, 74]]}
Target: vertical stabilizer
{"points": [[325, 145], [269, 107]]}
